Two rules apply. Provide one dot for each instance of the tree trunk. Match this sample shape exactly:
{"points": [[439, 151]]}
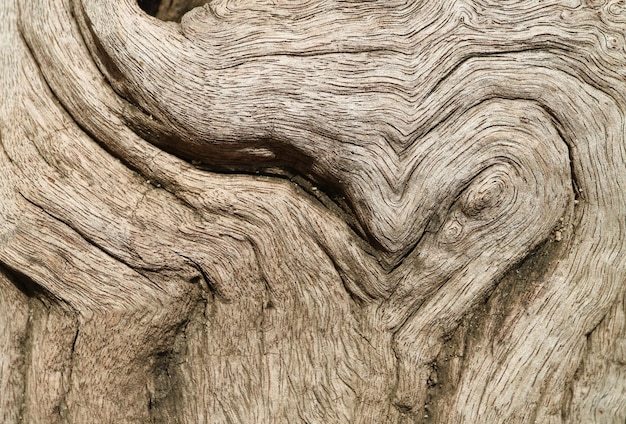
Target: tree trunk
{"points": [[316, 212]]}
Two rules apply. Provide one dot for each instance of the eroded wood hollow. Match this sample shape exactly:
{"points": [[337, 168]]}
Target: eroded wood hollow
{"points": [[169, 10]]}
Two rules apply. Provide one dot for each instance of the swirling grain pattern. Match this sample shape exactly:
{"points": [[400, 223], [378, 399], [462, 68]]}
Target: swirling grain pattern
{"points": [[310, 203]]}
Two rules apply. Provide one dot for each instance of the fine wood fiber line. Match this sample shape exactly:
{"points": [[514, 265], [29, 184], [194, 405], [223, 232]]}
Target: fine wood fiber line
{"points": [[441, 143]]}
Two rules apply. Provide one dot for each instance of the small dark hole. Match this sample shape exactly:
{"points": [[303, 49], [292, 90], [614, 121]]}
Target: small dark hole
{"points": [[151, 7], [169, 10]]}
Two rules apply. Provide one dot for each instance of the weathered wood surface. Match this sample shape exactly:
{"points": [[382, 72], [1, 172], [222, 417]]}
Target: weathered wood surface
{"points": [[322, 212]]}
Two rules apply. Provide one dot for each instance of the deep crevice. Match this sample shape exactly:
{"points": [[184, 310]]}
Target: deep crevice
{"points": [[24, 341], [25, 284], [151, 7], [169, 10], [331, 198], [164, 395], [27, 351], [63, 407]]}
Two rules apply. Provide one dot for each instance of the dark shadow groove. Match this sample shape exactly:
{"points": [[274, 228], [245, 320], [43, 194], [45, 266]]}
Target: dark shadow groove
{"points": [[169, 10], [330, 197], [168, 380], [151, 7], [24, 283]]}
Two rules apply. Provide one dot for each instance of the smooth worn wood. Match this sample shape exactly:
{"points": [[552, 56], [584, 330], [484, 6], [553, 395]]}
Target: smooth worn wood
{"points": [[321, 212]]}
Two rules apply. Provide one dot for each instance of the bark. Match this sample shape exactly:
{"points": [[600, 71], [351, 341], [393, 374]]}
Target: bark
{"points": [[321, 212]]}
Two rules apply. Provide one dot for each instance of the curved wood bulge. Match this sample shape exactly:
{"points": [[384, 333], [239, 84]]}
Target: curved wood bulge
{"points": [[434, 146]]}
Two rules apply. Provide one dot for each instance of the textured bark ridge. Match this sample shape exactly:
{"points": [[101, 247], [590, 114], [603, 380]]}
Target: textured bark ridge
{"points": [[322, 212]]}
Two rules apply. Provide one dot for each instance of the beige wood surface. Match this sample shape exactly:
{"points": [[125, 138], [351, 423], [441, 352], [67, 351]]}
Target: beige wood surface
{"points": [[315, 211]]}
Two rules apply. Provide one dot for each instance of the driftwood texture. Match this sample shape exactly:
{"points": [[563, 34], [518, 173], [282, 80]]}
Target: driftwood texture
{"points": [[320, 211]]}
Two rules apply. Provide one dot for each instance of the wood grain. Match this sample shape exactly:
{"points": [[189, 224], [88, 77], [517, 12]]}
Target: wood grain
{"points": [[313, 211]]}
